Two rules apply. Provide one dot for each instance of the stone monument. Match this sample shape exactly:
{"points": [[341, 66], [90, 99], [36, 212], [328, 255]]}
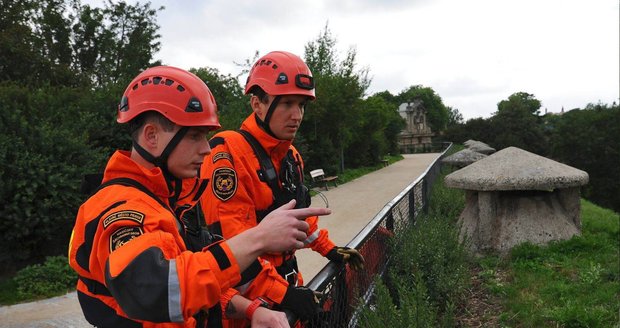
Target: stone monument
{"points": [[417, 134], [514, 196]]}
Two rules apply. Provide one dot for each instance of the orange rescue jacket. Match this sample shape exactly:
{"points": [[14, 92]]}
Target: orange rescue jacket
{"points": [[237, 195], [133, 264]]}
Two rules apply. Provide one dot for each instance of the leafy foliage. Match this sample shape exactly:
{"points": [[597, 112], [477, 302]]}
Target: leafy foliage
{"points": [[586, 139], [45, 156], [64, 66], [412, 308], [428, 273], [52, 278], [589, 139], [62, 42], [231, 103]]}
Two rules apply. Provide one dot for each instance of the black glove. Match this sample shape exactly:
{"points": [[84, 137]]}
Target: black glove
{"points": [[302, 301], [347, 255]]}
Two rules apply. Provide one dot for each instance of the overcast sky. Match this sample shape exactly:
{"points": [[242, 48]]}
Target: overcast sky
{"points": [[473, 53]]}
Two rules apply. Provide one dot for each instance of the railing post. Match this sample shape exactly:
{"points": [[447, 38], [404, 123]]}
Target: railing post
{"points": [[389, 221], [411, 199], [425, 195]]}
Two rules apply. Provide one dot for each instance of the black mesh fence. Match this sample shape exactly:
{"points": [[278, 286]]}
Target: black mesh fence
{"points": [[345, 291]]}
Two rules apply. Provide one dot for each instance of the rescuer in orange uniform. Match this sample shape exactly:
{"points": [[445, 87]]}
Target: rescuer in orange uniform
{"points": [[140, 262], [256, 169]]}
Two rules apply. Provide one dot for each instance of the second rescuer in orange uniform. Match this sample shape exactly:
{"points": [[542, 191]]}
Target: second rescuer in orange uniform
{"points": [[257, 169]]}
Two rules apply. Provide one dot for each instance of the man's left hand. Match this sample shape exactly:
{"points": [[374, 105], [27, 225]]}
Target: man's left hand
{"points": [[347, 255]]}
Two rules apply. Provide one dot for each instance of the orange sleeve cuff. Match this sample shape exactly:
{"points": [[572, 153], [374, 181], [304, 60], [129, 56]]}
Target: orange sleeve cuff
{"points": [[223, 264], [226, 298]]}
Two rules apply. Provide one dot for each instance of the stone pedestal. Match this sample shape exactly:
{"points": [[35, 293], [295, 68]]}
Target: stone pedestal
{"points": [[515, 196]]}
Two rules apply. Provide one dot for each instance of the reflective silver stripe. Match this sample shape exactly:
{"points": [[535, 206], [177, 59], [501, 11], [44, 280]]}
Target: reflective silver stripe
{"points": [[311, 238], [174, 294]]}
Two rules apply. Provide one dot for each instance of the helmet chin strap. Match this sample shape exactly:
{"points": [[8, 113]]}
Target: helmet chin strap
{"points": [[265, 124], [161, 161]]}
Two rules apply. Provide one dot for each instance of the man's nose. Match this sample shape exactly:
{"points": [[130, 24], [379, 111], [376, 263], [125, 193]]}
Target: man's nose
{"points": [[205, 149], [298, 113]]}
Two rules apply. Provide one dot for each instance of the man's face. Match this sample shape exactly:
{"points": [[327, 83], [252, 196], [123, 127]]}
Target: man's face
{"points": [[287, 116], [186, 158]]}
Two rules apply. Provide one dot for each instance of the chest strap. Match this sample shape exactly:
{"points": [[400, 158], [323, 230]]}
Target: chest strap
{"points": [[269, 174]]}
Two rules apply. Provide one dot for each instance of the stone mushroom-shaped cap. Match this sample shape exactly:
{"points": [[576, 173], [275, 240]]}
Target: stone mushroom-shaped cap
{"points": [[469, 142], [513, 168], [481, 147], [463, 158]]}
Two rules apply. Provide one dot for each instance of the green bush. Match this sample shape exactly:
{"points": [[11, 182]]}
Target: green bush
{"points": [[429, 271], [412, 308], [432, 250], [52, 278], [45, 150], [447, 203]]}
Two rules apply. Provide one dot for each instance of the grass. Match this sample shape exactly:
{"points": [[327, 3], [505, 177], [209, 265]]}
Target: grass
{"points": [[571, 283]]}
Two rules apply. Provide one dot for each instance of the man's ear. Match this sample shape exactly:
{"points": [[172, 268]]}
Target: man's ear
{"points": [[255, 103], [150, 135]]}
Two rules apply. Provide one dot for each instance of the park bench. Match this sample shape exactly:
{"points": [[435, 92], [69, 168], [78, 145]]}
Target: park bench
{"points": [[318, 176]]}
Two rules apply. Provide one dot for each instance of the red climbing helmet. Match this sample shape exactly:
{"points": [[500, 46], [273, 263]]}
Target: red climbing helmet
{"points": [[281, 73], [179, 95]]}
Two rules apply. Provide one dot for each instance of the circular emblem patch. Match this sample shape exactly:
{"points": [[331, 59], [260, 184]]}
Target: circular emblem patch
{"points": [[224, 183]]}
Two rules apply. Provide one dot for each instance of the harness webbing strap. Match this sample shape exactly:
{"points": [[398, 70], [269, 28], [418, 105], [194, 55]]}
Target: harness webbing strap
{"points": [[267, 168]]}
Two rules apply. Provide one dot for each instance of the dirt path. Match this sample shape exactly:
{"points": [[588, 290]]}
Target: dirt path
{"points": [[353, 204]]}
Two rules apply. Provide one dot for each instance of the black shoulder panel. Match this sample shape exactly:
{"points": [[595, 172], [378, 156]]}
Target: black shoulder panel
{"points": [[216, 141], [141, 289]]}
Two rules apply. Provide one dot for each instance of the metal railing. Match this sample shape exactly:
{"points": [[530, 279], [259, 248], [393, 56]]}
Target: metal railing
{"points": [[345, 291]]}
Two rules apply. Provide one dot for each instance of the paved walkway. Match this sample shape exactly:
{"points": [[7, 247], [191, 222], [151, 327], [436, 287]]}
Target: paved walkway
{"points": [[353, 205]]}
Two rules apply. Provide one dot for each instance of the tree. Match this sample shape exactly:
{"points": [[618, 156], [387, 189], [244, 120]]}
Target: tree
{"points": [[19, 59], [231, 102], [516, 123], [394, 123], [520, 101], [131, 41], [454, 117], [476, 129], [64, 67], [330, 119], [62, 42], [589, 139]]}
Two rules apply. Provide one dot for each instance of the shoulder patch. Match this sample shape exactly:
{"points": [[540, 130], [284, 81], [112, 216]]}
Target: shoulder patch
{"points": [[134, 216], [224, 183], [222, 155], [123, 235]]}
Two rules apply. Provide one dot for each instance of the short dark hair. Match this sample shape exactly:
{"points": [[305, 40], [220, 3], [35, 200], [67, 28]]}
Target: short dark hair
{"points": [[150, 116], [260, 93]]}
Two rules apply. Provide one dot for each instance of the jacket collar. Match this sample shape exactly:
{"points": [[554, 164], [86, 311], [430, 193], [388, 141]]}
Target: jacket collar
{"points": [[276, 148], [121, 165]]}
